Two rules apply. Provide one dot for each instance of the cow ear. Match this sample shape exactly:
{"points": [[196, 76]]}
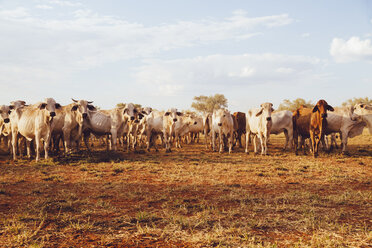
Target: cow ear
{"points": [[58, 106], [42, 105], [368, 107], [315, 108], [259, 113], [74, 108], [91, 107], [330, 108], [11, 106], [140, 115], [179, 113], [125, 111], [272, 109], [167, 113]]}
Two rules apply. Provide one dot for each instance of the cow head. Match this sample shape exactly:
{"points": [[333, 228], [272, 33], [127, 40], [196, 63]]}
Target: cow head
{"points": [[146, 110], [265, 111], [362, 108], [322, 107], [50, 106], [4, 113], [83, 106], [173, 114], [219, 116], [131, 112]]}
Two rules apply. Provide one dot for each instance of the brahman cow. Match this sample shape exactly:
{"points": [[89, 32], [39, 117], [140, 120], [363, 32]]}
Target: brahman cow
{"points": [[74, 115], [170, 118], [282, 122], [311, 123], [259, 124], [344, 121], [223, 126], [365, 111], [34, 123]]}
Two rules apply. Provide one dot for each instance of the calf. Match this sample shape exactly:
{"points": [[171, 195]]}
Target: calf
{"points": [[259, 124], [223, 126]]}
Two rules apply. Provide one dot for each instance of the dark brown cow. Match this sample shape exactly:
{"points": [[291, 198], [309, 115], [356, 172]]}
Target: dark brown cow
{"points": [[239, 127], [311, 123]]}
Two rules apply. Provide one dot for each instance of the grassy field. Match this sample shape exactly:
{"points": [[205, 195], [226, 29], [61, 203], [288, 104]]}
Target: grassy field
{"points": [[191, 197]]}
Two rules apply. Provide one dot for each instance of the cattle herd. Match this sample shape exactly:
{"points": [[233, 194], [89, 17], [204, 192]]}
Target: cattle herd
{"points": [[24, 127]]}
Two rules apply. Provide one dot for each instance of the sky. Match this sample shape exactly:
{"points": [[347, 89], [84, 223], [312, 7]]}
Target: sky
{"points": [[163, 53]]}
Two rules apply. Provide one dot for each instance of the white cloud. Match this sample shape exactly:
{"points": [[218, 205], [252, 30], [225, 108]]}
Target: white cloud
{"points": [[305, 35], [220, 72], [83, 39], [43, 6], [351, 50], [65, 3]]}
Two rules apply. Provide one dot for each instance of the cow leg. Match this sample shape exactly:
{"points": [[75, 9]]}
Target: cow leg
{"points": [[221, 142], [344, 142], [230, 140], [246, 142], [28, 146], [315, 143], [14, 144], [38, 146], [213, 141], [255, 144], [46, 146], [86, 141]]}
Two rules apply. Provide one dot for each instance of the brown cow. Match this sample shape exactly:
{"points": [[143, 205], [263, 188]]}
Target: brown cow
{"points": [[239, 127], [311, 123]]}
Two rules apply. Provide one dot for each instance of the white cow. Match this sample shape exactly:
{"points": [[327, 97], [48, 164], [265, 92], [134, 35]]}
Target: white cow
{"points": [[170, 118], [74, 116], [152, 127], [223, 126], [365, 111], [343, 120], [196, 127], [259, 124], [34, 123], [282, 122], [104, 122], [5, 128]]}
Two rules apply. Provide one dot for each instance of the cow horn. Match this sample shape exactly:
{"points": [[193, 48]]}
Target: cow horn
{"points": [[74, 100]]}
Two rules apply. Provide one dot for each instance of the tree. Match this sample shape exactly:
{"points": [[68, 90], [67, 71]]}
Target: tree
{"points": [[295, 104], [122, 105], [356, 100], [207, 104]]}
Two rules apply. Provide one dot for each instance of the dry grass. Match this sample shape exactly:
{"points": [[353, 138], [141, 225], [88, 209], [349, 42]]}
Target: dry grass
{"points": [[190, 198]]}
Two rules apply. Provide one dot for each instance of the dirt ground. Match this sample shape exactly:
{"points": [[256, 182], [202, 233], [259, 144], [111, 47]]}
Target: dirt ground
{"points": [[192, 197]]}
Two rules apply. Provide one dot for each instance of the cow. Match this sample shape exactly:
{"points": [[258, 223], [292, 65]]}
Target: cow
{"points": [[311, 123], [223, 126], [131, 121], [282, 122], [104, 122], [152, 127], [34, 123], [74, 115], [195, 127], [344, 121], [170, 118], [259, 123], [365, 111], [239, 127], [5, 128], [207, 126]]}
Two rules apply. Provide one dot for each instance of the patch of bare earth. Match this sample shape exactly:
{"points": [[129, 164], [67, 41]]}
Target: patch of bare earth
{"points": [[191, 197]]}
